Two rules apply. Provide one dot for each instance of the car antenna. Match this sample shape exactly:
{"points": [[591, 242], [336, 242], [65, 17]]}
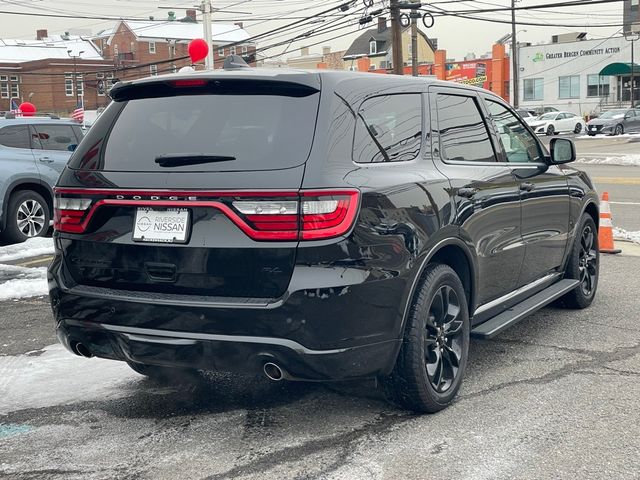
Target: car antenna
{"points": [[234, 61]]}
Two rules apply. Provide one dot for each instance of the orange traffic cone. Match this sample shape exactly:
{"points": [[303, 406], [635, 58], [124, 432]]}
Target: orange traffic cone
{"points": [[605, 232]]}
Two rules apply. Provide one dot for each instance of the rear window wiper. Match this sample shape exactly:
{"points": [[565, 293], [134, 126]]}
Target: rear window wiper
{"points": [[180, 159]]}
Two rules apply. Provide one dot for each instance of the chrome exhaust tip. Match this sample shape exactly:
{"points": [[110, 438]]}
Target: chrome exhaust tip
{"points": [[273, 372], [79, 349]]}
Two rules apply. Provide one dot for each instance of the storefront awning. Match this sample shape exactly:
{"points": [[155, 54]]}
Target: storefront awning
{"points": [[620, 69]]}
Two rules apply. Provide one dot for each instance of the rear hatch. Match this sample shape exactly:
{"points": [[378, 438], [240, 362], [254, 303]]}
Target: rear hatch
{"points": [[192, 186]]}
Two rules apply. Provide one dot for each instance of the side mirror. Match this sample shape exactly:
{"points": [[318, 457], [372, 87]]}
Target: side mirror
{"points": [[562, 151]]}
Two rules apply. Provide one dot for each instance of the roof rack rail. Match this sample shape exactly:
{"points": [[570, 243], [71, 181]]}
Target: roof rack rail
{"points": [[12, 115]]}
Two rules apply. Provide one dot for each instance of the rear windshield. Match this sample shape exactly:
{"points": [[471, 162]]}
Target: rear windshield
{"points": [[233, 132]]}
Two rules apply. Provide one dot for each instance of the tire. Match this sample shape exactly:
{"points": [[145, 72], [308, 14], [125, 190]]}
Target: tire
{"points": [[619, 130], [28, 216], [578, 128], [174, 375], [551, 130], [583, 265], [425, 378]]}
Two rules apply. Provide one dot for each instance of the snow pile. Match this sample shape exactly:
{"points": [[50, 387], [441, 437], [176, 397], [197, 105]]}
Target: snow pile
{"points": [[22, 282], [56, 377], [622, 234], [633, 160], [31, 248]]}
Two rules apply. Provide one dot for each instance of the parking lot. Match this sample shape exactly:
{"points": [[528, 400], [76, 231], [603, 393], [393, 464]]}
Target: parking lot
{"points": [[554, 397]]}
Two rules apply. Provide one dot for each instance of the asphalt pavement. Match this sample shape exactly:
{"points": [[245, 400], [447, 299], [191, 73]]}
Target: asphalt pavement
{"points": [[554, 397]]}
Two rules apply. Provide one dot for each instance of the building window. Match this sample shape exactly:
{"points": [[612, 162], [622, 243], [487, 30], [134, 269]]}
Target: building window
{"points": [[14, 78], [597, 86], [4, 90], [153, 70], [68, 84], [373, 48], [533, 88], [569, 87], [244, 49], [372, 66], [80, 84], [221, 51], [4, 78], [115, 50], [15, 90], [152, 47], [232, 50]]}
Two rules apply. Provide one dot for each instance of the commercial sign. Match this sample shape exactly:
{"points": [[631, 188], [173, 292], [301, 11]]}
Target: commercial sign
{"points": [[539, 56], [469, 73]]}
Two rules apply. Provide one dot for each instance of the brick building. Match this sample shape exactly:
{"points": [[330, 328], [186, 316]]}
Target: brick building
{"points": [[42, 71], [141, 48]]}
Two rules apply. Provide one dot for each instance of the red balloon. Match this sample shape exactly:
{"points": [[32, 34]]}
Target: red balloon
{"points": [[198, 49], [28, 109]]}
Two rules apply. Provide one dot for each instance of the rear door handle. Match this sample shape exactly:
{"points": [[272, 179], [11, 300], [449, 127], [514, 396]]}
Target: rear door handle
{"points": [[46, 159], [527, 186], [467, 192]]}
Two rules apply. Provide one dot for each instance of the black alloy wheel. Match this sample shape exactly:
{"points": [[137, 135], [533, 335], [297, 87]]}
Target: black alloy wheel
{"points": [[443, 339], [583, 265], [433, 355], [588, 261], [578, 128], [551, 130], [619, 130]]}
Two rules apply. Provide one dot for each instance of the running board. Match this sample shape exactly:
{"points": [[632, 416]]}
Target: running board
{"points": [[510, 317]]}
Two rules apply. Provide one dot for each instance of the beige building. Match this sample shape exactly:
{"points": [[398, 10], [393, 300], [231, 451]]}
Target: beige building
{"points": [[327, 59], [373, 50]]}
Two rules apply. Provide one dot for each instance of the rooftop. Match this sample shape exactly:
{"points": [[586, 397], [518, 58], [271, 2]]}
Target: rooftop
{"points": [[177, 30], [54, 46]]}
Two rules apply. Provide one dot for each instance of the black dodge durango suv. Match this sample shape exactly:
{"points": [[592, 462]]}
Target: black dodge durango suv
{"points": [[314, 226]]}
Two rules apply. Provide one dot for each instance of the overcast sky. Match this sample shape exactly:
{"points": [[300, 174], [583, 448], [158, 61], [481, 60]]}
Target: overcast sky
{"points": [[457, 35]]}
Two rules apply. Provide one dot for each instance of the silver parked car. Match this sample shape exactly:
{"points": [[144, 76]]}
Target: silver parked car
{"points": [[615, 122], [33, 153]]}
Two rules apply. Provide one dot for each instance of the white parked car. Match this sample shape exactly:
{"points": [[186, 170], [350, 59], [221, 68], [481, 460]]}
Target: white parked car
{"points": [[553, 123], [527, 116]]}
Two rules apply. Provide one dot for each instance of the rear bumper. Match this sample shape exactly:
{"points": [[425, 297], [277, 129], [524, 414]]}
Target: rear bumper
{"points": [[333, 324], [224, 352]]}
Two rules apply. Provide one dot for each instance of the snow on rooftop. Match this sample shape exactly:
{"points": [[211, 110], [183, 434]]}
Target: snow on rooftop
{"points": [[55, 46], [176, 30]]}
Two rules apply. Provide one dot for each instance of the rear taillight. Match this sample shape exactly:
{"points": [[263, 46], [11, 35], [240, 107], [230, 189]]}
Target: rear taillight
{"points": [[69, 213], [317, 215], [327, 214], [275, 216]]}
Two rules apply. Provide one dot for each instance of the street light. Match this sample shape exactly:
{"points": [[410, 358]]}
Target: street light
{"points": [[75, 73], [632, 37]]}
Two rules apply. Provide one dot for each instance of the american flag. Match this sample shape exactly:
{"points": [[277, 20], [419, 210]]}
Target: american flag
{"points": [[15, 108], [78, 113]]}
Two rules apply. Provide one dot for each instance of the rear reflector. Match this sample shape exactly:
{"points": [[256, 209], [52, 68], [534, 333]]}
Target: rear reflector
{"points": [[274, 216]]}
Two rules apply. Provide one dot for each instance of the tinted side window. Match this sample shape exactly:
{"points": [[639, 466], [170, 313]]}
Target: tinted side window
{"points": [[55, 137], [463, 132], [389, 129], [519, 145], [16, 136]]}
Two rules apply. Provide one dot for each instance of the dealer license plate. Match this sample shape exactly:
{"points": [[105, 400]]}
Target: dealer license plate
{"points": [[169, 225]]}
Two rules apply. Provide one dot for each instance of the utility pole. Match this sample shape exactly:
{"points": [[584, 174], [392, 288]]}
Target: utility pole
{"points": [[514, 56], [414, 42], [75, 71], [632, 37], [206, 19], [396, 38]]}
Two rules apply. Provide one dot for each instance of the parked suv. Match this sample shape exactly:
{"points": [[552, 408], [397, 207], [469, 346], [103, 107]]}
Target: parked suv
{"points": [[314, 226], [33, 152]]}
